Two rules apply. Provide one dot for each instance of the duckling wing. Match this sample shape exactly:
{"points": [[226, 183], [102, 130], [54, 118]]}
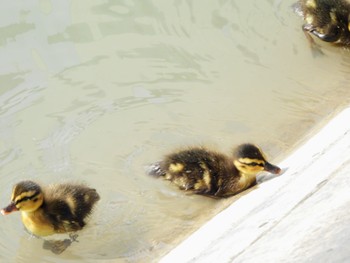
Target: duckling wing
{"points": [[60, 214], [68, 206]]}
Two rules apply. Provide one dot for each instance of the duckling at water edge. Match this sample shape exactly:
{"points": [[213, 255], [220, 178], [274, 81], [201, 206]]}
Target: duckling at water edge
{"points": [[205, 172]]}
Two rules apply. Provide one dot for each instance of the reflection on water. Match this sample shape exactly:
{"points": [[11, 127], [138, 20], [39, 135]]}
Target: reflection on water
{"points": [[94, 92]]}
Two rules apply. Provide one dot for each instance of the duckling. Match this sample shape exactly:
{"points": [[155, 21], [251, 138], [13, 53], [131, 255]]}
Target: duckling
{"points": [[59, 208], [205, 172], [326, 19]]}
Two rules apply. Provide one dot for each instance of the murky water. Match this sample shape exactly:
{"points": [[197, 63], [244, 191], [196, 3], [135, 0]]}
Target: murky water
{"points": [[95, 91]]}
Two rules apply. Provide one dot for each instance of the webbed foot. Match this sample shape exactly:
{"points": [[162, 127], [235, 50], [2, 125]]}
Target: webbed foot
{"points": [[315, 48]]}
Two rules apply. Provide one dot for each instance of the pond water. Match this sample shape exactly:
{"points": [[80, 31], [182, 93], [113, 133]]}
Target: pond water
{"points": [[94, 91]]}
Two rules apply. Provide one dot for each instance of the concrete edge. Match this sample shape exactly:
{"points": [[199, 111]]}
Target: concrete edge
{"points": [[229, 233]]}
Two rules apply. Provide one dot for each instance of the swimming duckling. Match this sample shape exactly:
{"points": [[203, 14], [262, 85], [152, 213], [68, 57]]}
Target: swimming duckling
{"points": [[326, 19], [59, 208], [209, 173]]}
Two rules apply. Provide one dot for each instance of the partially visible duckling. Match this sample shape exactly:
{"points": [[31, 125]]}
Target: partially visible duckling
{"points": [[59, 208], [205, 172], [326, 19]]}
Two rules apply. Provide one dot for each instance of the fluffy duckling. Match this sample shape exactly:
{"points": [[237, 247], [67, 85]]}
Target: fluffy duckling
{"points": [[326, 19], [209, 173], [59, 208]]}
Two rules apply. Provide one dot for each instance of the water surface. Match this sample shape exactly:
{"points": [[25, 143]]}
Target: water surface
{"points": [[93, 92]]}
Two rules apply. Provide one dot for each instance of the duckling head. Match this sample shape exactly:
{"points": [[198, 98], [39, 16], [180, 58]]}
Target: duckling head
{"points": [[249, 159], [26, 196]]}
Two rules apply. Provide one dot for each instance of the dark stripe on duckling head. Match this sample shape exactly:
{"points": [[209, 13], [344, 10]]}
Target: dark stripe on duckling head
{"points": [[26, 196], [251, 162], [25, 189]]}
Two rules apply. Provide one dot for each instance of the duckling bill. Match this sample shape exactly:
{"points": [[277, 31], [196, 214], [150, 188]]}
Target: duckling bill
{"points": [[59, 208], [327, 20], [205, 172]]}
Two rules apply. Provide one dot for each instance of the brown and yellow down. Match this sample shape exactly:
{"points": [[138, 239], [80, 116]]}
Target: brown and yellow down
{"points": [[202, 171], [58, 208]]}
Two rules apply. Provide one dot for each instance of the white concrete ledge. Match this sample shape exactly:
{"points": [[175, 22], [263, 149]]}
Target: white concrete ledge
{"points": [[303, 215]]}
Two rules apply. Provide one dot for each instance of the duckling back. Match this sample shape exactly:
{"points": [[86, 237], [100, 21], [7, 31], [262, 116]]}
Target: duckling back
{"points": [[68, 205], [197, 170]]}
